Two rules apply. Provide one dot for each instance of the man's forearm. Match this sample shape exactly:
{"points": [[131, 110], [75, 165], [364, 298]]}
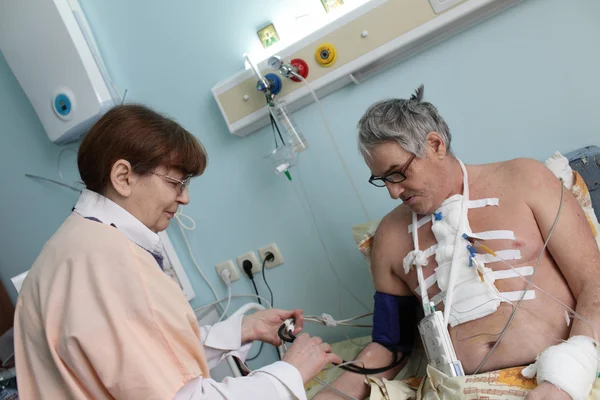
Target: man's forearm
{"points": [[571, 366], [372, 356], [588, 307]]}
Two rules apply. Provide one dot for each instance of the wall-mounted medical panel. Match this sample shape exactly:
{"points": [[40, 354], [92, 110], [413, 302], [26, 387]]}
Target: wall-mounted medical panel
{"points": [[358, 45]]}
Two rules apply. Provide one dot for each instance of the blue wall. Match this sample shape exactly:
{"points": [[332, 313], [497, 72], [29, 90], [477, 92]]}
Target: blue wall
{"points": [[524, 83]]}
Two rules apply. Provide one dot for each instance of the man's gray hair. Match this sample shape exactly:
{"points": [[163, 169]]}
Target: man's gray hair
{"points": [[406, 122]]}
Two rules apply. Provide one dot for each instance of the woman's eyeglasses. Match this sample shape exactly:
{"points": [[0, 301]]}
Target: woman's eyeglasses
{"points": [[393, 177], [179, 184]]}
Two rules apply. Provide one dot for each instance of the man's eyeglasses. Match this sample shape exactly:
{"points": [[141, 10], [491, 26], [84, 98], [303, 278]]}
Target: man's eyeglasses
{"points": [[179, 184], [393, 177]]}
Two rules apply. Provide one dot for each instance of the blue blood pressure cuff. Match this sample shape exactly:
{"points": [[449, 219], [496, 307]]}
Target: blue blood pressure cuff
{"points": [[394, 322]]}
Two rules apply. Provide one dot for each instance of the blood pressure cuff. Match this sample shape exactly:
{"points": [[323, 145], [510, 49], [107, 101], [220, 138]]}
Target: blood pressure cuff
{"points": [[394, 322]]}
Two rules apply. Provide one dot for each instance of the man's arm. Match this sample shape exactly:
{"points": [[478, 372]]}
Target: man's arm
{"points": [[572, 244], [389, 246], [576, 253]]}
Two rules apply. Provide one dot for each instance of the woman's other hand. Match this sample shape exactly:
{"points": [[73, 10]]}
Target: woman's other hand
{"points": [[263, 325], [310, 355]]}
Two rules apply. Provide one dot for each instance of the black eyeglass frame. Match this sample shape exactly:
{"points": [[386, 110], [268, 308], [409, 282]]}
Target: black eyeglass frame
{"points": [[392, 177]]}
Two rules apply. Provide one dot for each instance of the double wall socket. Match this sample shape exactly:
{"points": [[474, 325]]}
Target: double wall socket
{"points": [[233, 271], [271, 248], [250, 256], [256, 262]]}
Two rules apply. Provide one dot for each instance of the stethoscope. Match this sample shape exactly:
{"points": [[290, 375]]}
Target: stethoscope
{"points": [[286, 334]]}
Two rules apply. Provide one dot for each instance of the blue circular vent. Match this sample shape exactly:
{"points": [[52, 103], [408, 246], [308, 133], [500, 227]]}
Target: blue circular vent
{"points": [[62, 104]]}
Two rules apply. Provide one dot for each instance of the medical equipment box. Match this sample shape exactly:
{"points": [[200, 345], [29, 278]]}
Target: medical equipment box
{"points": [[50, 49]]}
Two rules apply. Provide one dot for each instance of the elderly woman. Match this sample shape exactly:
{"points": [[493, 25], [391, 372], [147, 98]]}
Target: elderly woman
{"points": [[97, 318]]}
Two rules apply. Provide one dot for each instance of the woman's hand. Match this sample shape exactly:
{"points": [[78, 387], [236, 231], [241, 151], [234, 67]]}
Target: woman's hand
{"points": [[263, 325], [310, 355]]}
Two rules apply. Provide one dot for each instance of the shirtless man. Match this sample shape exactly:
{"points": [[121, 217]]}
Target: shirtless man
{"points": [[390, 133]]}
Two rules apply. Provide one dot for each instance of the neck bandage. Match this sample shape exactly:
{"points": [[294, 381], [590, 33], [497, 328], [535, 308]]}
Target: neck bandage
{"points": [[466, 284], [571, 366]]}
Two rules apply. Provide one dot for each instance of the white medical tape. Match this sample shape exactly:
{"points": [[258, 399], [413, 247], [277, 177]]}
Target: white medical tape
{"points": [[464, 206], [483, 203], [418, 262], [494, 235], [431, 279], [510, 273], [500, 255], [518, 295], [567, 318], [511, 296], [415, 257], [423, 293], [420, 223], [430, 251], [438, 298], [571, 366], [328, 320]]}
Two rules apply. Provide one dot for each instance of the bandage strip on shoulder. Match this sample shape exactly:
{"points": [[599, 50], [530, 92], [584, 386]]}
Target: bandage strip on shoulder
{"points": [[394, 322]]}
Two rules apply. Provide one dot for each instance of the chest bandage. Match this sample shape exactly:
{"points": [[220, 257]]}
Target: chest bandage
{"points": [[466, 285]]}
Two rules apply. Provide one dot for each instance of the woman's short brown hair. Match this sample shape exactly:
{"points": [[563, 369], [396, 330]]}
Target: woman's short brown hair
{"points": [[141, 136]]}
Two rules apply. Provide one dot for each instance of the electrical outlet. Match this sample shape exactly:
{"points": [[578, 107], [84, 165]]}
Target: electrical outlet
{"points": [[235, 275], [250, 256], [271, 248]]}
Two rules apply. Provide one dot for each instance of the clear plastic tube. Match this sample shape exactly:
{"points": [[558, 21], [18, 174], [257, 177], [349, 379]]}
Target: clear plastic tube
{"points": [[285, 122]]}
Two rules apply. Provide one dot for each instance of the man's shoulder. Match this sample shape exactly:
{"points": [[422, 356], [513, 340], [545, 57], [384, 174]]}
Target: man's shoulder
{"points": [[520, 178], [518, 172], [520, 166], [396, 221], [392, 236]]}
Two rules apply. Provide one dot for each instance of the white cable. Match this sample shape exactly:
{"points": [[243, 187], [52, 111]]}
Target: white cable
{"points": [[302, 201], [357, 317], [53, 181], [529, 281], [235, 296], [566, 307], [189, 248], [339, 282], [59, 159], [328, 320], [59, 170], [228, 303], [336, 146], [320, 236], [226, 275], [122, 98], [179, 215], [325, 384], [247, 307], [319, 381]]}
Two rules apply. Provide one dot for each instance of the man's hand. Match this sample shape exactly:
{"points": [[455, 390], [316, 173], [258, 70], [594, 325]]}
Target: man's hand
{"points": [[547, 391], [263, 325]]}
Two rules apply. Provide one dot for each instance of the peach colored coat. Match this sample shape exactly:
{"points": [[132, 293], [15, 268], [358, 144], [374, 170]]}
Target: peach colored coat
{"points": [[97, 319]]}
